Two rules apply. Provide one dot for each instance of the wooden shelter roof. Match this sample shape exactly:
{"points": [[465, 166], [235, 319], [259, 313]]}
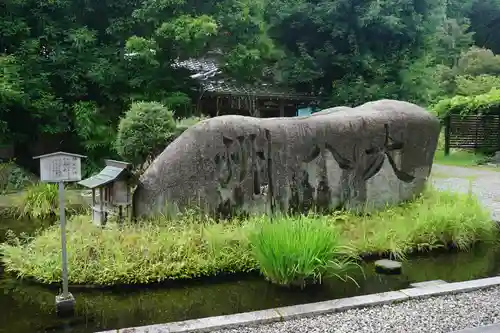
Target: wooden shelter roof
{"points": [[207, 72]]}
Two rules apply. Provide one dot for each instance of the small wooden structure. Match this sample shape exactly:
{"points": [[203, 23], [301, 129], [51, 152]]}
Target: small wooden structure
{"points": [[113, 184], [478, 132]]}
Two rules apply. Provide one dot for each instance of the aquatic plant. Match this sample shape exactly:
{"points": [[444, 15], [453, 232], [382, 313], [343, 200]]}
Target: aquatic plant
{"points": [[132, 254], [295, 251], [39, 201], [189, 246]]}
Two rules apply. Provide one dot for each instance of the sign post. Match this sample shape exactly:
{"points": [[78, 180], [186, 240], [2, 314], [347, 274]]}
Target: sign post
{"points": [[62, 216], [59, 168]]}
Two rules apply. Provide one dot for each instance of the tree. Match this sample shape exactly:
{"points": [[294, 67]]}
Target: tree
{"points": [[364, 48], [476, 71], [71, 81], [485, 22], [181, 29], [67, 74]]}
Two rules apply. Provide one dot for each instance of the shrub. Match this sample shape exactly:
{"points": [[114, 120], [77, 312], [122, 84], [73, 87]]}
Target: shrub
{"points": [[478, 61], [13, 178], [464, 105], [476, 85], [294, 252], [184, 123], [144, 131]]}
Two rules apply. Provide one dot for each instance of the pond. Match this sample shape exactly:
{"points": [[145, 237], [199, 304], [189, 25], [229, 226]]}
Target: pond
{"points": [[30, 308]]}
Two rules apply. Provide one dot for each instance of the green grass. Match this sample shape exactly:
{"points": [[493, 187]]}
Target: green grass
{"points": [[40, 201], [461, 158], [293, 253], [290, 250]]}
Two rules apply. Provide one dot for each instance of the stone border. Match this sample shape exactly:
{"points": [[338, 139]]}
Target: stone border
{"points": [[312, 309], [495, 328]]}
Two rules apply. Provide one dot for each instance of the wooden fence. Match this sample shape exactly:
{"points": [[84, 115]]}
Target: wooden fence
{"points": [[472, 132]]}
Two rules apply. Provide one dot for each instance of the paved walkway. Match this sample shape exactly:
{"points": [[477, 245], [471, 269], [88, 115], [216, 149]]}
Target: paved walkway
{"points": [[484, 183]]}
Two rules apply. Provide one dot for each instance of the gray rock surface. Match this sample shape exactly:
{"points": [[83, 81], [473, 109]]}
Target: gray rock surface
{"points": [[442, 314], [388, 266], [374, 155]]}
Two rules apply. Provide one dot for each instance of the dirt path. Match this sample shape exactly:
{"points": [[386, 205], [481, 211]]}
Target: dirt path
{"points": [[485, 184]]}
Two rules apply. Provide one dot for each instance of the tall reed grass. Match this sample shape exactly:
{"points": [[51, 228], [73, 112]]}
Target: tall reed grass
{"points": [[289, 251], [300, 251], [40, 201]]}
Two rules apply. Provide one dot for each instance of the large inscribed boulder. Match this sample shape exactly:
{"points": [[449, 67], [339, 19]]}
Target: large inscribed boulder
{"points": [[362, 158]]}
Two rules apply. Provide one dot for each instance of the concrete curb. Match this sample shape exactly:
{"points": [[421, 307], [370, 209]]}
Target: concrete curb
{"points": [[312, 309], [495, 328]]}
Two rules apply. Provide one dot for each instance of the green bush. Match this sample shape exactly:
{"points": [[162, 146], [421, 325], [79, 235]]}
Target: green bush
{"points": [[464, 105], [468, 85], [13, 178], [184, 123], [478, 61], [295, 252], [144, 131]]}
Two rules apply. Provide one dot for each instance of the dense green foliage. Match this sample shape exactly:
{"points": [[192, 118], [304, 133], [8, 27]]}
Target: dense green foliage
{"points": [[191, 246], [13, 178], [71, 69], [144, 131], [463, 105]]}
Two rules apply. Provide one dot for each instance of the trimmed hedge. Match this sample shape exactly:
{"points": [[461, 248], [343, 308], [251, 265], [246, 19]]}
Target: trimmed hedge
{"points": [[465, 105]]}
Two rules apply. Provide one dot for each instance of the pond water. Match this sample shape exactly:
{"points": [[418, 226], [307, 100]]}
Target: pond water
{"points": [[30, 308]]}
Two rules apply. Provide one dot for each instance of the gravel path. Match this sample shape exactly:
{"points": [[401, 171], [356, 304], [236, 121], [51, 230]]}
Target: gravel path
{"points": [[441, 314], [485, 184]]}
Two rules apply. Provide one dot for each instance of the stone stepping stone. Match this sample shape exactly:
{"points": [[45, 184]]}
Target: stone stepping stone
{"points": [[386, 266], [427, 283]]}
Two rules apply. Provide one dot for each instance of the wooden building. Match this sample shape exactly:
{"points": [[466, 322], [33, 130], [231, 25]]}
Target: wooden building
{"points": [[220, 95]]}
